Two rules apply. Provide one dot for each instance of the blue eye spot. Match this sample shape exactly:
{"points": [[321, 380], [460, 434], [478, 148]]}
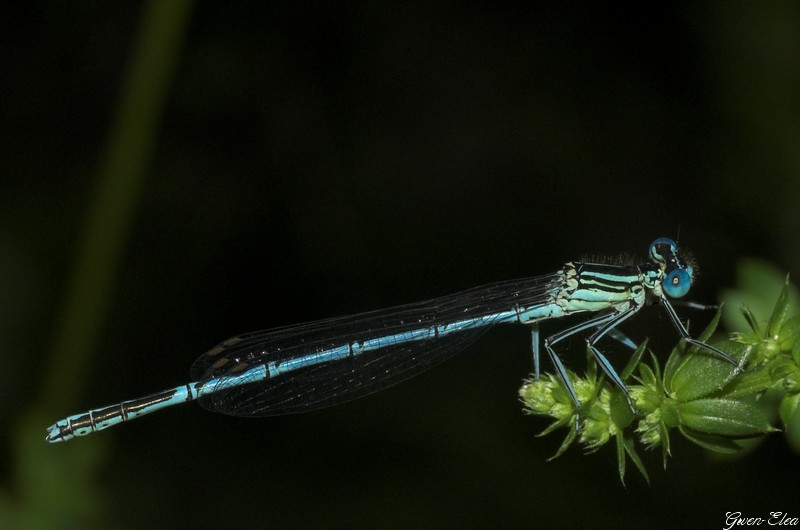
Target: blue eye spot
{"points": [[677, 283]]}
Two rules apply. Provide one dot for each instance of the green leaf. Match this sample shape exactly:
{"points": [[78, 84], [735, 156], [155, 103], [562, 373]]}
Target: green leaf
{"points": [[712, 326], [752, 321], [792, 433], [647, 377], [554, 426], [568, 440], [782, 372], [670, 415], [700, 372], [620, 412], [591, 365], [789, 334], [788, 408], [748, 383], [679, 356], [758, 285], [657, 371], [665, 443], [621, 459], [779, 312], [630, 449], [718, 444], [724, 417], [675, 357], [634, 361]]}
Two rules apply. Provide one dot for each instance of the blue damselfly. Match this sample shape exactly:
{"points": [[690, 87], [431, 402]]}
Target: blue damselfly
{"points": [[311, 366]]}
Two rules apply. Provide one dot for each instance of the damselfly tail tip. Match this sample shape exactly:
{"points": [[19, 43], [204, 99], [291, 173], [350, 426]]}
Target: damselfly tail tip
{"points": [[54, 434]]}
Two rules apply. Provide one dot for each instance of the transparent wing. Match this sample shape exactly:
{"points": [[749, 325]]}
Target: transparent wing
{"points": [[323, 385]]}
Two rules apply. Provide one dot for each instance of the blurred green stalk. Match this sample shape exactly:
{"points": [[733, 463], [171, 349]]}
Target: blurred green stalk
{"points": [[111, 214], [54, 488]]}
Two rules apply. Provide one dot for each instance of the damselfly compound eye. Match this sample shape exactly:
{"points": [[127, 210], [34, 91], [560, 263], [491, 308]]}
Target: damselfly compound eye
{"points": [[662, 248], [677, 283]]}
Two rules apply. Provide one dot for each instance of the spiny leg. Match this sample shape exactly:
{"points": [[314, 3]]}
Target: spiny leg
{"points": [[601, 359], [562, 372], [684, 333], [535, 347], [695, 305], [613, 333]]}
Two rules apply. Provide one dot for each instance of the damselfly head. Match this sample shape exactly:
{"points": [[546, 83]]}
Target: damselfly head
{"points": [[678, 270]]}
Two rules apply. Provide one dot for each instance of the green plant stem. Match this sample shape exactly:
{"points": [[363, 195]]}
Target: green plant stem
{"points": [[110, 215]]}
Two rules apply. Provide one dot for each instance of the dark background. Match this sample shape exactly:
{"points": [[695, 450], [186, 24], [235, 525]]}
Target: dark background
{"points": [[316, 159]]}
